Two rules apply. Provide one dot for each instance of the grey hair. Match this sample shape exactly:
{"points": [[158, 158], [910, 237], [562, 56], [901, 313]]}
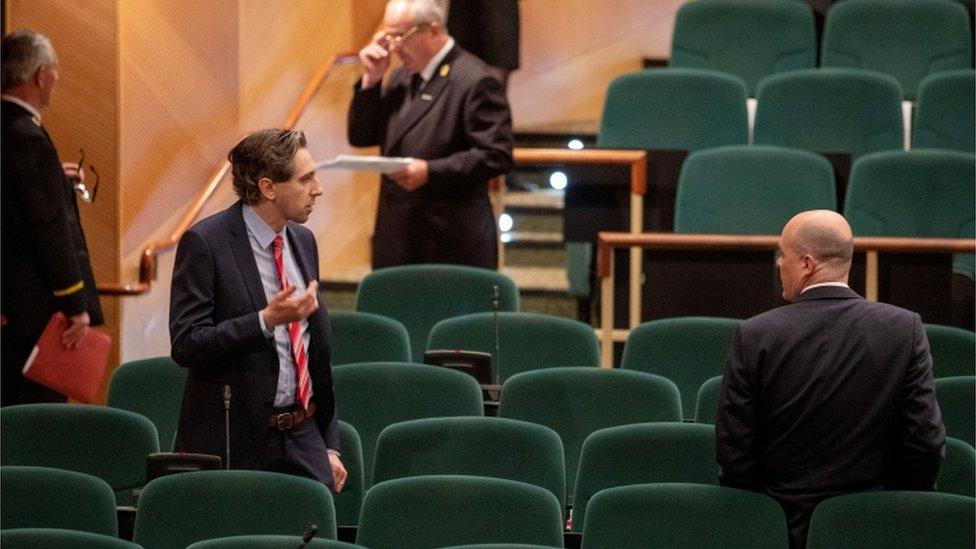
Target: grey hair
{"points": [[421, 11], [23, 53]]}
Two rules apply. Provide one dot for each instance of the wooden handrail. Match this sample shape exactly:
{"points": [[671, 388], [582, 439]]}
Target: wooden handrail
{"points": [[147, 260], [637, 160]]}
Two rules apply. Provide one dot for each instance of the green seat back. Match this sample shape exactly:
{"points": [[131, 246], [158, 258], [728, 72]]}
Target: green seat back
{"points": [[371, 396], [476, 446], [365, 337], [750, 190], [958, 473], [55, 538], [677, 109], [526, 341], [643, 454], [418, 296], [350, 500], [269, 542], [706, 409], [953, 350], [957, 400], [945, 117], [683, 516], [152, 387], [893, 519], [686, 350], [830, 111], [748, 38], [435, 511], [177, 510], [40, 497], [575, 402], [907, 39], [498, 546]]}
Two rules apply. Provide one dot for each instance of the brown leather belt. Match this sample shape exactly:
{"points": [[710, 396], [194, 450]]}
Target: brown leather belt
{"points": [[287, 420]]}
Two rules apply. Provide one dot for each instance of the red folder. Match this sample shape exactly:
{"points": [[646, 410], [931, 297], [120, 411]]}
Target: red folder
{"points": [[76, 373]]}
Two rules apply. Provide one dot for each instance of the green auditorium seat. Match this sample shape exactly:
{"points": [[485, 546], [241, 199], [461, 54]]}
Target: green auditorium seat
{"points": [[830, 111], [54, 538], [706, 407], [945, 117], [152, 387], [350, 500], [748, 38], [958, 473], [476, 446], [893, 520], [683, 516], [575, 402], [957, 400], [418, 296], [436, 511], [371, 396], [526, 341], [644, 453], [103, 442], [750, 190], [41, 497], [270, 542], [365, 337], [953, 350], [686, 350], [177, 510], [907, 39]]}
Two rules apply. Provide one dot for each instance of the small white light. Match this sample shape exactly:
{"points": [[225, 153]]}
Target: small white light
{"points": [[575, 144], [506, 238], [505, 222], [558, 180]]}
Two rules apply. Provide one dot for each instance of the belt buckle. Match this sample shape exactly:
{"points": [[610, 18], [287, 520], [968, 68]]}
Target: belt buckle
{"points": [[284, 421]]}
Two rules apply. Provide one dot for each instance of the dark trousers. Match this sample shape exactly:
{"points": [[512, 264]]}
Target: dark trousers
{"points": [[297, 451]]}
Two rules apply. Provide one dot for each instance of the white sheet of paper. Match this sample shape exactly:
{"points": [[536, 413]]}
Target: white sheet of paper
{"points": [[382, 164]]}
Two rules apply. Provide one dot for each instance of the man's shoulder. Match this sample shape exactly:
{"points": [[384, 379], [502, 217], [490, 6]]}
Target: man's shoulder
{"points": [[20, 123], [799, 311], [216, 223], [469, 66]]}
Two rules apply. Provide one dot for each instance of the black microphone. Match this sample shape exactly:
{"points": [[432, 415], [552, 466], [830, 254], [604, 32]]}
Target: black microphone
{"points": [[309, 534], [227, 425], [497, 355]]}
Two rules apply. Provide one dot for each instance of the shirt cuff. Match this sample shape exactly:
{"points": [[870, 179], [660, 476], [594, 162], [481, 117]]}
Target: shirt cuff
{"points": [[264, 327], [333, 452]]}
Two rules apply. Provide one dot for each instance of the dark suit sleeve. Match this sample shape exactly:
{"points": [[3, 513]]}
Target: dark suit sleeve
{"points": [[922, 439], [197, 341], [488, 128], [736, 432], [368, 116]]}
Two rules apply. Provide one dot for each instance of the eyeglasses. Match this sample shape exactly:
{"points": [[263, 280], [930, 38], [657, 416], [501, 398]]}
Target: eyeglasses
{"points": [[87, 196], [397, 38]]}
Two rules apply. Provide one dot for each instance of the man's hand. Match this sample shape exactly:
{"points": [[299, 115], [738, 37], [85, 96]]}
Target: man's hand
{"points": [[375, 59], [76, 330], [338, 473], [73, 171], [284, 308], [413, 176]]}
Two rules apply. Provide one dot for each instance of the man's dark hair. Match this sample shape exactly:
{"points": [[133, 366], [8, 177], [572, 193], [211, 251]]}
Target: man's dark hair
{"points": [[23, 52], [266, 153]]}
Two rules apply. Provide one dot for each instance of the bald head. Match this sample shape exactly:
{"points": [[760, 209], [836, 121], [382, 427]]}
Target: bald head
{"points": [[815, 247]]}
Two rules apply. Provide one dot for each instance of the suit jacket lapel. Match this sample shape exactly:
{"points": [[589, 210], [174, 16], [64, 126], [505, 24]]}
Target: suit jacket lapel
{"points": [[418, 107], [240, 244], [301, 257]]}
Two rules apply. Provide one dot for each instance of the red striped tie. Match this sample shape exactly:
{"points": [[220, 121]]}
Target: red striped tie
{"points": [[302, 382]]}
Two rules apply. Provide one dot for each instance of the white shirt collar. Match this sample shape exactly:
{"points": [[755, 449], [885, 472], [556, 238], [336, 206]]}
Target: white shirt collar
{"points": [[261, 231], [428, 71], [812, 286], [30, 108]]}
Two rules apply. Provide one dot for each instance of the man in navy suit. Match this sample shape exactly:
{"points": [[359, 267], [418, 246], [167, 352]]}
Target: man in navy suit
{"points": [[246, 319], [831, 394]]}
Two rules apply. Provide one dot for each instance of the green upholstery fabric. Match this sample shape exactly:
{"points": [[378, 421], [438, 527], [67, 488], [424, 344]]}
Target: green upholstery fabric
{"points": [[893, 520], [683, 516], [748, 38], [476, 446], [419, 296], [371, 396], [104, 442], [269, 542], [498, 546], [526, 341], [830, 111], [686, 350], [579, 258], [953, 350], [54, 538], [643, 454], [958, 473], [435, 511], [40, 497], [750, 190], [152, 387], [957, 400], [945, 117], [706, 408], [350, 500], [679, 109], [907, 39], [575, 402], [365, 337], [177, 510]]}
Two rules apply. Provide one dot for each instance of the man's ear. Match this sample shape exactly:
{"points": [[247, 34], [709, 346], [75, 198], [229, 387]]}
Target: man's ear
{"points": [[267, 188], [39, 77], [809, 263]]}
